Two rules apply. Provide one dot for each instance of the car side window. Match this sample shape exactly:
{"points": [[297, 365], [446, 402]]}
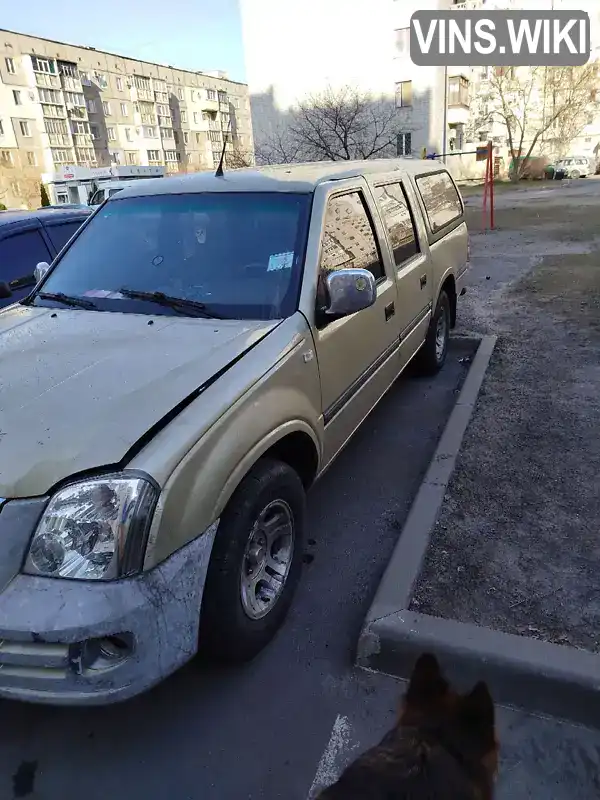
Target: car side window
{"points": [[60, 234], [348, 238], [19, 254], [397, 217], [440, 198]]}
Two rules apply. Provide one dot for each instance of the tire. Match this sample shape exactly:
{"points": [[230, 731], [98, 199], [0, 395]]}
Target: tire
{"points": [[228, 632], [431, 357], [575, 174]]}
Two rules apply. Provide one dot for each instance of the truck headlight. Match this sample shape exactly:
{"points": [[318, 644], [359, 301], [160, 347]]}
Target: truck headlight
{"points": [[94, 529]]}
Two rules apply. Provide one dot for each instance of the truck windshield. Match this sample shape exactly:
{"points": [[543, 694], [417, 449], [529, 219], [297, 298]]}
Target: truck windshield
{"points": [[238, 254]]}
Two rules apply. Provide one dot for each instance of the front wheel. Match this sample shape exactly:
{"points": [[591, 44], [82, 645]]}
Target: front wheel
{"points": [[255, 563], [432, 355], [575, 174]]}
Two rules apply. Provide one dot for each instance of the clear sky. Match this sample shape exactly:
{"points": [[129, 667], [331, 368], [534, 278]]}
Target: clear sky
{"points": [[193, 34]]}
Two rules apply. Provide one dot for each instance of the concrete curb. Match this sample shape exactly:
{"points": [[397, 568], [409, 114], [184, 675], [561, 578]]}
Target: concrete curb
{"points": [[527, 673]]}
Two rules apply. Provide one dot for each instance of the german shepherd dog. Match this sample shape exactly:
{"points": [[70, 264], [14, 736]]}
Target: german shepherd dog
{"points": [[443, 746]]}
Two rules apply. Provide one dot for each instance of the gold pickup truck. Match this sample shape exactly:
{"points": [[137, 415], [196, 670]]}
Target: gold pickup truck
{"points": [[192, 361]]}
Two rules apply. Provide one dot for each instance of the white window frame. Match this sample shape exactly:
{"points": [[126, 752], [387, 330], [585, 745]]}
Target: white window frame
{"points": [[17, 97], [24, 127], [106, 108], [111, 134], [124, 110], [10, 65], [119, 82], [91, 106], [31, 158]]}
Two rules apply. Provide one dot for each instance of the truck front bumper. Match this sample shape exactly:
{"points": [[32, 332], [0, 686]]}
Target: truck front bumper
{"points": [[69, 642]]}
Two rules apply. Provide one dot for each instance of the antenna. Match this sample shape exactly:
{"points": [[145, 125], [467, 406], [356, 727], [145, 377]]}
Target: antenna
{"points": [[219, 172]]}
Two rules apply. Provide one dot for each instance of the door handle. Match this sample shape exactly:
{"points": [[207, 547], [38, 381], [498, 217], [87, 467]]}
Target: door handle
{"points": [[423, 280], [390, 310]]}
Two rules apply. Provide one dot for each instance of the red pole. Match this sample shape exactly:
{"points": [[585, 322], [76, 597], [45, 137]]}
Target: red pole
{"points": [[491, 160], [485, 192]]}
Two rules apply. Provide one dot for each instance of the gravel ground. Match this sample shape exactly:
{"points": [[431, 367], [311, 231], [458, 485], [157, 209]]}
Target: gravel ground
{"points": [[516, 545]]}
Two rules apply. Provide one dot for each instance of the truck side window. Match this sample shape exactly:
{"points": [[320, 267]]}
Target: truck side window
{"points": [[348, 239], [396, 215], [441, 200]]}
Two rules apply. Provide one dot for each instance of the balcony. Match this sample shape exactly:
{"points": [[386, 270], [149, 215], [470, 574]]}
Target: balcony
{"points": [[59, 139], [47, 81], [71, 84], [209, 105], [165, 122], [83, 139], [137, 94]]}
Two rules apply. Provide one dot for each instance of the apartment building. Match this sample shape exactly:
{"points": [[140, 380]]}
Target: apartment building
{"points": [[365, 44], [62, 104]]}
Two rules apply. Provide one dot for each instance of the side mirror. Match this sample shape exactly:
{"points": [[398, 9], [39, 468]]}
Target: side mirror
{"points": [[5, 291], [40, 270], [349, 291]]}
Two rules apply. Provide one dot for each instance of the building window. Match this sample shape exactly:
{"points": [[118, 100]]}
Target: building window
{"points": [[6, 158], [91, 106], [186, 137], [119, 84], [166, 133], [43, 65], [80, 127], [211, 94], [73, 98], [60, 156], [32, 159], [154, 155], [183, 115], [17, 97], [106, 108], [180, 94], [197, 138], [94, 131], [150, 132], [458, 91], [110, 133], [404, 144], [115, 158], [10, 66], [131, 158], [171, 155], [24, 127], [403, 94], [124, 110], [402, 42], [128, 134]]}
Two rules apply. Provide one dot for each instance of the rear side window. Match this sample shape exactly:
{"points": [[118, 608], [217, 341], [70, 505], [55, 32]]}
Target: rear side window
{"points": [[19, 254], [60, 234], [394, 208], [348, 238], [440, 198]]}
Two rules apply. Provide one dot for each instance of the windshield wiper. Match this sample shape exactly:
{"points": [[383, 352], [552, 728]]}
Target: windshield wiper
{"points": [[67, 299], [180, 304]]}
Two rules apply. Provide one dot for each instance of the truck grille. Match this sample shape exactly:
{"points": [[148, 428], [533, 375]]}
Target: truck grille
{"points": [[33, 660]]}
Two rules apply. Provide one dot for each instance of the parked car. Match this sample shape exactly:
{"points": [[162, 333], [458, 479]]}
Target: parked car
{"points": [[190, 364], [572, 167], [28, 237]]}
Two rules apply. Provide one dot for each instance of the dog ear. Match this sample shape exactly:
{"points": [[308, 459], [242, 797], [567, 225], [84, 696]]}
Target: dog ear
{"points": [[477, 710], [427, 684]]}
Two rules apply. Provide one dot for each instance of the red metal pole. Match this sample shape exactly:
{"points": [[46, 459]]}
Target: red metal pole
{"points": [[485, 194], [491, 160]]}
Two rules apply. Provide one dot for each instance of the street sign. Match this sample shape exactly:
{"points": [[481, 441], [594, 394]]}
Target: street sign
{"points": [[482, 153]]}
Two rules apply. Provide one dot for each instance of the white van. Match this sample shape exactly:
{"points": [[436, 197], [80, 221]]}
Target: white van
{"points": [[573, 167], [107, 189]]}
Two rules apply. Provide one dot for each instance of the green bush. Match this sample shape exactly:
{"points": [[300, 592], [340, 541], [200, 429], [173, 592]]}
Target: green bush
{"points": [[45, 200]]}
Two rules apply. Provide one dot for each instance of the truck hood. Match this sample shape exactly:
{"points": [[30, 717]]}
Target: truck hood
{"points": [[79, 388]]}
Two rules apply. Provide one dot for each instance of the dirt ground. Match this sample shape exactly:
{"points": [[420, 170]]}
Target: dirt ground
{"points": [[517, 543]]}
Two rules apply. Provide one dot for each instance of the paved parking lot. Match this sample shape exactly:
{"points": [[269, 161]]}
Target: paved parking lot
{"points": [[259, 732]]}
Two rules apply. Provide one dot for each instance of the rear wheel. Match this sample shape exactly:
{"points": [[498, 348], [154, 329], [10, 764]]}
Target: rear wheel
{"points": [[575, 174], [255, 564], [432, 355]]}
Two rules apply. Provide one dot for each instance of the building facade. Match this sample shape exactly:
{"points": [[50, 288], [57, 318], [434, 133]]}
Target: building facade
{"points": [[61, 104], [365, 44]]}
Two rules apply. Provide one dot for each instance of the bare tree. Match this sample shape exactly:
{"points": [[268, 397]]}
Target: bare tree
{"points": [[335, 125], [238, 158], [536, 101]]}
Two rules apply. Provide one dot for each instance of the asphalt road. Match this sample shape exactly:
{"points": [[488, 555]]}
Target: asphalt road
{"points": [[260, 731]]}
